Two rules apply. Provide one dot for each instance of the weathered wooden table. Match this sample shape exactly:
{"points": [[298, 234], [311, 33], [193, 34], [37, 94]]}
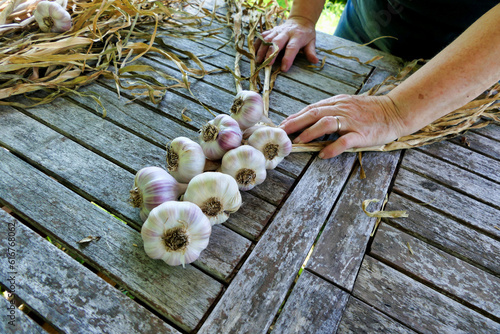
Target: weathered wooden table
{"points": [[296, 258]]}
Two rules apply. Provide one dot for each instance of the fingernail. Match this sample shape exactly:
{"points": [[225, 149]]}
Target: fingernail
{"points": [[321, 155], [297, 141]]}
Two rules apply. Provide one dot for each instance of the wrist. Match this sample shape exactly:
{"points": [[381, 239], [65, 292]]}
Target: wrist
{"points": [[302, 18]]}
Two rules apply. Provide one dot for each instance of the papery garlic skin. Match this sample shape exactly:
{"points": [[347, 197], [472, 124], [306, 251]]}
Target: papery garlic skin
{"points": [[152, 187], [273, 143], [217, 195], [220, 135], [185, 159], [246, 164], [247, 108], [51, 16], [176, 232]]}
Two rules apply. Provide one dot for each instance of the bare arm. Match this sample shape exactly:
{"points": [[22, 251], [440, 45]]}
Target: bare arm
{"points": [[455, 76]]}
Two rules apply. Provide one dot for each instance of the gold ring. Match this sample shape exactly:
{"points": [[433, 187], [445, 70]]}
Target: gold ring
{"points": [[339, 125]]}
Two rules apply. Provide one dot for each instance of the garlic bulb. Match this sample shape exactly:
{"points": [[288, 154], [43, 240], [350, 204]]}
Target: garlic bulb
{"points": [[176, 232], [219, 136], [273, 142], [247, 108], [246, 164], [153, 186], [216, 194], [185, 159], [53, 17]]}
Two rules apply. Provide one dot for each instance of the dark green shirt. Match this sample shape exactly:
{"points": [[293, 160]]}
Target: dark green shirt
{"points": [[422, 27]]}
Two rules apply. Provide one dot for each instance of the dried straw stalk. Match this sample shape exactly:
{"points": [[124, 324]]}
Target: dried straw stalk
{"points": [[106, 39]]}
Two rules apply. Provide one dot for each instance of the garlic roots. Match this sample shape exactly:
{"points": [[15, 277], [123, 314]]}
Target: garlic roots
{"points": [[51, 16], [185, 159], [219, 136], [247, 108], [217, 195], [176, 232], [246, 165], [273, 143], [152, 187]]}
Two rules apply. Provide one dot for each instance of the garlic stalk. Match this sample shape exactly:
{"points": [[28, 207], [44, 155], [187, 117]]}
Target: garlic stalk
{"points": [[176, 232], [53, 17], [216, 194], [219, 136], [247, 108], [185, 159], [153, 186], [246, 165], [273, 143]]}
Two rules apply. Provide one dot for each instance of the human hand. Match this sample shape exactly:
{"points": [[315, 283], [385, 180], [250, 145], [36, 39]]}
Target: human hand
{"points": [[296, 33], [364, 121]]}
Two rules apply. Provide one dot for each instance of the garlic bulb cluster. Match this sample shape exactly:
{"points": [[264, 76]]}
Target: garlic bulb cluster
{"points": [[219, 136], [52, 16], [273, 143], [152, 187], [176, 232], [247, 108], [246, 165], [185, 159], [217, 195]]}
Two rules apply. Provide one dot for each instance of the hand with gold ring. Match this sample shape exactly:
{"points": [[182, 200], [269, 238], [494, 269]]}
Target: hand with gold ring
{"points": [[361, 121]]}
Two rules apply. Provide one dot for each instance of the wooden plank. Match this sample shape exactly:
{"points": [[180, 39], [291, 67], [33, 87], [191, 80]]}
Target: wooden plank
{"points": [[68, 218], [438, 268], [414, 304], [491, 130], [14, 320], [314, 306], [339, 251], [359, 317], [481, 144], [464, 158], [446, 233], [433, 194], [274, 188], [256, 292], [454, 177], [77, 168], [71, 297]]}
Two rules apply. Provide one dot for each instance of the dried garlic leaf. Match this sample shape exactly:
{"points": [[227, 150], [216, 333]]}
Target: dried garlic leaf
{"points": [[382, 214], [88, 239], [185, 118]]}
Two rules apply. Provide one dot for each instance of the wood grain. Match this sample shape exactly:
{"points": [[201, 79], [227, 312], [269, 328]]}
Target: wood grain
{"points": [[435, 195], [438, 268], [181, 295], [71, 297], [446, 233], [339, 251], [251, 301], [481, 144], [414, 304], [314, 306], [360, 317]]}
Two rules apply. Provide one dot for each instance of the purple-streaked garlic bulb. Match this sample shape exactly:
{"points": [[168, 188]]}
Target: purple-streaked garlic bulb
{"points": [[273, 143], [246, 164], [185, 159], [247, 108], [176, 232], [51, 16], [219, 136], [217, 195], [153, 186]]}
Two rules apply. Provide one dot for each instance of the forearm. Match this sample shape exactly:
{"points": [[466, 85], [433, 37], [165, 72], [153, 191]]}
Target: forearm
{"points": [[309, 9], [455, 76]]}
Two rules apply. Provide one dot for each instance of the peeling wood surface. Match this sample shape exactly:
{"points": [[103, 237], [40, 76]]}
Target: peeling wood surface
{"points": [[439, 268], [415, 304], [315, 306], [67, 294]]}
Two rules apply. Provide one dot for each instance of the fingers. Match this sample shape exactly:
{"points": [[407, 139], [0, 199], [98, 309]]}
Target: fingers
{"points": [[343, 143], [292, 49], [305, 119], [262, 49], [310, 51], [326, 125]]}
